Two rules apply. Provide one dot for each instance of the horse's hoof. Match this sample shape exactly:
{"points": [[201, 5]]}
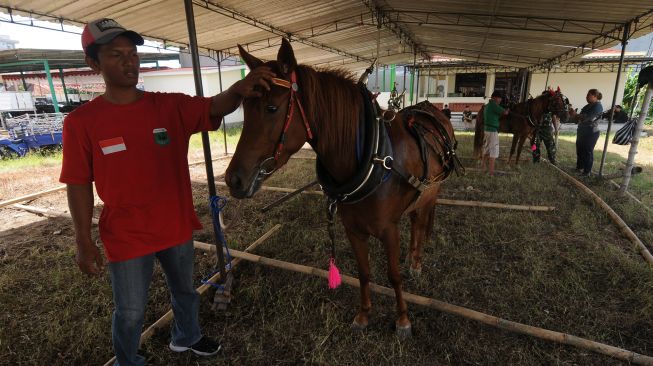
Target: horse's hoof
{"points": [[415, 272], [357, 327], [404, 331]]}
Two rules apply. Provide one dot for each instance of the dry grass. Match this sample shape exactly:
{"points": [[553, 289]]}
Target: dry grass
{"points": [[569, 270]]}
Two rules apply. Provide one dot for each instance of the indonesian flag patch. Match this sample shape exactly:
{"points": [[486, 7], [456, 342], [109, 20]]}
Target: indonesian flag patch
{"points": [[113, 145]]}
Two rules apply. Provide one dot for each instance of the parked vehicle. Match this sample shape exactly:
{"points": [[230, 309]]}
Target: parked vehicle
{"points": [[31, 132]]}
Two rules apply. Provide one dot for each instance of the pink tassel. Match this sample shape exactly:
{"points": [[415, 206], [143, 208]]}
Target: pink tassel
{"points": [[334, 274], [533, 148]]}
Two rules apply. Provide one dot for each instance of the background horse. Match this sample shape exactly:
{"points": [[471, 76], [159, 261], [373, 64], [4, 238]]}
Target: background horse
{"points": [[522, 121], [327, 113]]}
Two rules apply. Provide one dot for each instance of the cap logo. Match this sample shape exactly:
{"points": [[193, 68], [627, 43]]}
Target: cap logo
{"points": [[106, 24]]}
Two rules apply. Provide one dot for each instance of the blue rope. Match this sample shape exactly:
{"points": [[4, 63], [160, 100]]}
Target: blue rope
{"points": [[217, 204]]}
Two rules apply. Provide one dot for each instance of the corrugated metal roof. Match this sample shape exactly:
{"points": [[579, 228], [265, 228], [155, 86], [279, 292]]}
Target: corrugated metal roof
{"points": [[345, 32]]}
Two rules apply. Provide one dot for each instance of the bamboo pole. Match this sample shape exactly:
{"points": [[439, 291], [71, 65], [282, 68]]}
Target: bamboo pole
{"points": [[276, 189], [30, 196], [634, 142], [169, 316], [613, 215], [466, 313], [227, 156], [46, 212], [61, 188], [496, 171], [443, 201]]}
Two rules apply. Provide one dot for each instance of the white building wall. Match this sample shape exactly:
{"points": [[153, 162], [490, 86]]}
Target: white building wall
{"points": [[575, 86], [182, 81]]}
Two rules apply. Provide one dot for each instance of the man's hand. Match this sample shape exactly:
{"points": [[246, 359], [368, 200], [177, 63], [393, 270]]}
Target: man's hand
{"points": [[260, 76], [89, 259], [227, 102]]}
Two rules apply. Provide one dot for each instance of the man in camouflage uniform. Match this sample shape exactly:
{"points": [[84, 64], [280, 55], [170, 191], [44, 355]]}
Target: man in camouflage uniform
{"points": [[544, 133]]}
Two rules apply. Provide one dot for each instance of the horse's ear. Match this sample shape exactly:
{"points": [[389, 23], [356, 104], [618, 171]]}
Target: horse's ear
{"points": [[558, 90], [251, 61], [286, 57]]}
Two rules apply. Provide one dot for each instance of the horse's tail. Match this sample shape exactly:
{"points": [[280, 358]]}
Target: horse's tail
{"points": [[478, 134]]}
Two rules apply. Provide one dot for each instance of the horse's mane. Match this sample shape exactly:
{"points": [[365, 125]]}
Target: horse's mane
{"points": [[523, 106], [332, 102]]}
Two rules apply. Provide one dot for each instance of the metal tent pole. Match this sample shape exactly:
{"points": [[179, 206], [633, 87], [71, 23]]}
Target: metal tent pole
{"points": [[546, 83], [403, 89], [206, 144], [63, 85], [224, 123], [428, 83], [46, 66], [624, 42], [417, 88], [412, 76]]}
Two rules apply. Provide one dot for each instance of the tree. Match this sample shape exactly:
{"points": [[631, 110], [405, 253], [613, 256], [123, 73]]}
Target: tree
{"points": [[630, 89]]}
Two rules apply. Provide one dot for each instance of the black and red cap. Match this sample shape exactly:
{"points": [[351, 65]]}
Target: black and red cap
{"points": [[104, 30]]}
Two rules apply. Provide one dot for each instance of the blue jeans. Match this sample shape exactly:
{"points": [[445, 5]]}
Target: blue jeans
{"points": [[130, 281]]}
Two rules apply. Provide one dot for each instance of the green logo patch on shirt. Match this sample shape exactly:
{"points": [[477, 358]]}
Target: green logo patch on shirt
{"points": [[161, 136]]}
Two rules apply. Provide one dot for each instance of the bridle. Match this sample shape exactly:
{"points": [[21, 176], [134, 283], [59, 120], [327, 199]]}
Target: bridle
{"points": [[293, 99], [552, 107]]}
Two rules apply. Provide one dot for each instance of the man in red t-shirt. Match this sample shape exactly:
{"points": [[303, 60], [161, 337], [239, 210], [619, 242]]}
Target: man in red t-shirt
{"points": [[134, 145]]}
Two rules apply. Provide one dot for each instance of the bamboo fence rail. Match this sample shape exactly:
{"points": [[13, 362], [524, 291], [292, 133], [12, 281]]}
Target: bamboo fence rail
{"points": [[31, 196], [623, 227], [441, 201]]}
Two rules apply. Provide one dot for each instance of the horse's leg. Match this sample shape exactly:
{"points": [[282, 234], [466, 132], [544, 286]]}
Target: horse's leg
{"points": [[420, 230], [390, 239], [522, 140], [512, 148], [361, 249]]}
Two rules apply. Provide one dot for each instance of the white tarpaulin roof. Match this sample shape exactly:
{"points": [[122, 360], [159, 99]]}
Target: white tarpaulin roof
{"points": [[346, 32]]}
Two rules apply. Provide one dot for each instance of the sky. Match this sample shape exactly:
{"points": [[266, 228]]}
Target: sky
{"points": [[33, 37]]}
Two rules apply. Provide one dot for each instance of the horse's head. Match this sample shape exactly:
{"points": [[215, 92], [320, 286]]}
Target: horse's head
{"points": [[558, 104], [274, 128]]}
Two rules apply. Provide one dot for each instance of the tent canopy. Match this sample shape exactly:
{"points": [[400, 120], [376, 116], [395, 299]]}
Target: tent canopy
{"points": [[346, 32]]}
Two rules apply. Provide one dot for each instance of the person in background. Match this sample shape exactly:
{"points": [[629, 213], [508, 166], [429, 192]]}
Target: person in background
{"points": [[447, 111], [544, 133], [620, 115], [467, 118], [134, 146], [588, 132], [491, 114]]}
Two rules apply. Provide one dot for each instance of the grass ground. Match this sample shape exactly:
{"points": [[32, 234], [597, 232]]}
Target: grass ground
{"points": [[568, 270]]}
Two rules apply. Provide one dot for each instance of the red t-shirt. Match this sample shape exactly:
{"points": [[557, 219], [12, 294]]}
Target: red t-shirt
{"points": [[137, 156]]}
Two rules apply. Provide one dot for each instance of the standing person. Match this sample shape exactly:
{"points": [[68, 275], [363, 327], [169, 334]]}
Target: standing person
{"points": [[447, 111], [467, 118], [491, 114], [134, 145], [544, 133], [588, 132]]}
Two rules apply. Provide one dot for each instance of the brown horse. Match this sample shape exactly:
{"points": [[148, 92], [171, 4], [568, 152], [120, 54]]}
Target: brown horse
{"points": [[324, 108], [523, 120]]}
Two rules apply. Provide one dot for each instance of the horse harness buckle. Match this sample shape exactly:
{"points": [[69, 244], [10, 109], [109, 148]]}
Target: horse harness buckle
{"points": [[385, 161]]}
